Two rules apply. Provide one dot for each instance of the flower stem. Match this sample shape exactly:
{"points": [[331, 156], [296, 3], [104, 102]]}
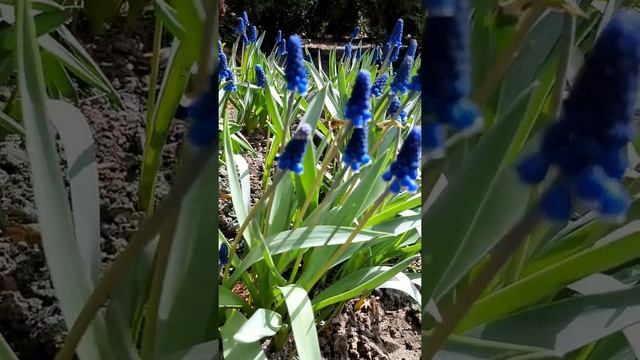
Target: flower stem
{"points": [[331, 153], [343, 248], [497, 258]]}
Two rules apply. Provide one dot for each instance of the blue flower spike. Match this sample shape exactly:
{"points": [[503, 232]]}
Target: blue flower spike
{"points": [[358, 52], [245, 18], [356, 154], [279, 37], [347, 51], [358, 108], [253, 35], [377, 55], [241, 28], [446, 81], [396, 35], [440, 7], [394, 107], [403, 172], [222, 60], [378, 86], [587, 145], [282, 47], [291, 158], [402, 78], [433, 142], [223, 254], [203, 117], [261, 79], [412, 48], [295, 71], [355, 32]]}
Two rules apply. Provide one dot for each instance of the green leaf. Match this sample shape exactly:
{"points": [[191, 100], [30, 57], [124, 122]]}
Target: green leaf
{"points": [[403, 283], [168, 16], [189, 297], [8, 123], [615, 249], [303, 238], [173, 86], [69, 275], [100, 12], [205, 351], [263, 323], [358, 282], [229, 299], [232, 349], [79, 149], [5, 350], [569, 324], [469, 348], [302, 322]]}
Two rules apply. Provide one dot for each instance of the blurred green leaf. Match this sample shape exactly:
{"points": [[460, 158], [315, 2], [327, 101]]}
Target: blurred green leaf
{"points": [[261, 324], [5, 350], [232, 349], [302, 322]]}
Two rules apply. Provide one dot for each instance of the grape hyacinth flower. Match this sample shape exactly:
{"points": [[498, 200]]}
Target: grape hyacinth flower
{"points": [[358, 106], [440, 7], [245, 19], [231, 86], [395, 52], [394, 106], [356, 154], [378, 85], [253, 35], [245, 39], [295, 71], [377, 55], [347, 51], [261, 80], [588, 143], [358, 52], [434, 139], [403, 172], [291, 158], [279, 37], [282, 47], [241, 28], [222, 63], [396, 36], [223, 254], [412, 48], [416, 81], [445, 77], [402, 77], [203, 116], [355, 32]]}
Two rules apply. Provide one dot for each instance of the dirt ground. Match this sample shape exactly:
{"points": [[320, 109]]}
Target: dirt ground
{"points": [[30, 319]]}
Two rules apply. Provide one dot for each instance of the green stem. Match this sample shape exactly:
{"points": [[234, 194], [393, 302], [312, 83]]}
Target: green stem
{"points": [[155, 293], [567, 42], [153, 77], [497, 258]]}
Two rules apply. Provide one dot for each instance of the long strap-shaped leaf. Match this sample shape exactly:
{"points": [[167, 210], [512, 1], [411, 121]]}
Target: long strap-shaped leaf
{"points": [[68, 273], [302, 322], [5, 350]]}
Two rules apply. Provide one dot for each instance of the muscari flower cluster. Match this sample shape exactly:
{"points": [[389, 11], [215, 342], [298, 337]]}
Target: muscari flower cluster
{"points": [[223, 254], [355, 32], [378, 85], [446, 84], [394, 107], [358, 107], [395, 41], [282, 47], [291, 157], [203, 116], [225, 73], [356, 154], [402, 78], [253, 35], [295, 71], [587, 146], [412, 48], [241, 28], [403, 172], [261, 80], [347, 50]]}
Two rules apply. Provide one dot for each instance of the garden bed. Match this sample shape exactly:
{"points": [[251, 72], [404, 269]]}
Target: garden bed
{"points": [[29, 316]]}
